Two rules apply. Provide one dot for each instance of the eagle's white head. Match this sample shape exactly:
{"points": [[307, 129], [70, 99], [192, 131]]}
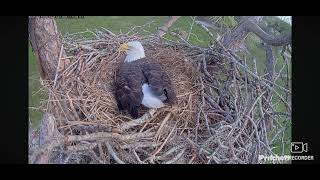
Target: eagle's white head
{"points": [[134, 50]]}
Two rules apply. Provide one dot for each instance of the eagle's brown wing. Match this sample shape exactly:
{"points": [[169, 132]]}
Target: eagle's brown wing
{"points": [[158, 80], [129, 80]]}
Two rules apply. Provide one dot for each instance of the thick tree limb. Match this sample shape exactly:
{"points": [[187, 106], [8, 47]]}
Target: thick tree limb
{"points": [[267, 38], [46, 44], [163, 30], [234, 38]]}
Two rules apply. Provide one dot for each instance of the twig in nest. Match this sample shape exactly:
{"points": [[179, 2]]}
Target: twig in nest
{"points": [[82, 147], [102, 154], [157, 136], [170, 151], [152, 157], [137, 157], [176, 158], [58, 67], [139, 121], [113, 154], [192, 158]]}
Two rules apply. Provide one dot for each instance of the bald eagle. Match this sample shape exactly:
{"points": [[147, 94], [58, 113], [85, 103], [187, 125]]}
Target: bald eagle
{"points": [[141, 80]]}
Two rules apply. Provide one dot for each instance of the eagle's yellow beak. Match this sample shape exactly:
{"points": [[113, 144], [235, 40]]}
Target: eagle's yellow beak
{"points": [[123, 47]]}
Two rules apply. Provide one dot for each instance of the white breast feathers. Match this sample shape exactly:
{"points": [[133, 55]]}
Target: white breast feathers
{"points": [[150, 100]]}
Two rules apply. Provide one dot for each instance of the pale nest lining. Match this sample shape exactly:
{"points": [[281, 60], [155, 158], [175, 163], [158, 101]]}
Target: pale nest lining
{"points": [[86, 126]]}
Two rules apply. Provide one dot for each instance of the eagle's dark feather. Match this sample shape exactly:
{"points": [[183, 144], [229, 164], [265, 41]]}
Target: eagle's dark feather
{"points": [[158, 80], [130, 78]]}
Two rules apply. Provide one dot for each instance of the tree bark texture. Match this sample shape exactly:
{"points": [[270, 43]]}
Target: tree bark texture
{"points": [[46, 44]]}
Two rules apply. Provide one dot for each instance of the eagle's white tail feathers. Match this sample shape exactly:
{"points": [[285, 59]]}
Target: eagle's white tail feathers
{"points": [[150, 100]]}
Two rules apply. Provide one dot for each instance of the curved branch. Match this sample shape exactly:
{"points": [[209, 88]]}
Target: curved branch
{"points": [[233, 39], [267, 38]]}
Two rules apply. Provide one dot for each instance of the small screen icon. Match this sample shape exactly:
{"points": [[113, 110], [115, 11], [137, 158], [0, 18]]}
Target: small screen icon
{"points": [[299, 147]]}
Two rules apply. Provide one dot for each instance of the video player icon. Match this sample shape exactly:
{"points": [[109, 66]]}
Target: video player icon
{"points": [[299, 147]]}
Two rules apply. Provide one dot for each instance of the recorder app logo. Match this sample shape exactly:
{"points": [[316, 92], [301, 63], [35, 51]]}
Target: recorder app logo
{"points": [[299, 147]]}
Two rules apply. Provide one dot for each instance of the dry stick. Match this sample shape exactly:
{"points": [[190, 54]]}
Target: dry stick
{"points": [[102, 154], [176, 158], [236, 95], [241, 131], [170, 151], [59, 103], [193, 20], [265, 132], [96, 157], [82, 147], [205, 28], [208, 74], [197, 38], [255, 102], [192, 158], [113, 154], [275, 84], [140, 145], [57, 70], [197, 124], [72, 107], [180, 37], [213, 103], [157, 136], [280, 131], [137, 157], [255, 131], [287, 63], [282, 152], [67, 69], [141, 27], [258, 88], [283, 66], [139, 121], [201, 107], [152, 157], [196, 147], [109, 32]]}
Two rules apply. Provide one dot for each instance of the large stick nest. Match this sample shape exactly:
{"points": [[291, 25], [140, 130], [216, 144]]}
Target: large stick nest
{"points": [[211, 123]]}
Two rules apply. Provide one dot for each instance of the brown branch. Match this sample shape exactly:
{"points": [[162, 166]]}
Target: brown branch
{"points": [[169, 22], [46, 44], [147, 116], [267, 38], [235, 37]]}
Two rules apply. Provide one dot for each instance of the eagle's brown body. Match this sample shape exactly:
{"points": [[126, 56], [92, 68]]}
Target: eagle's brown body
{"points": [[130, 78]]}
